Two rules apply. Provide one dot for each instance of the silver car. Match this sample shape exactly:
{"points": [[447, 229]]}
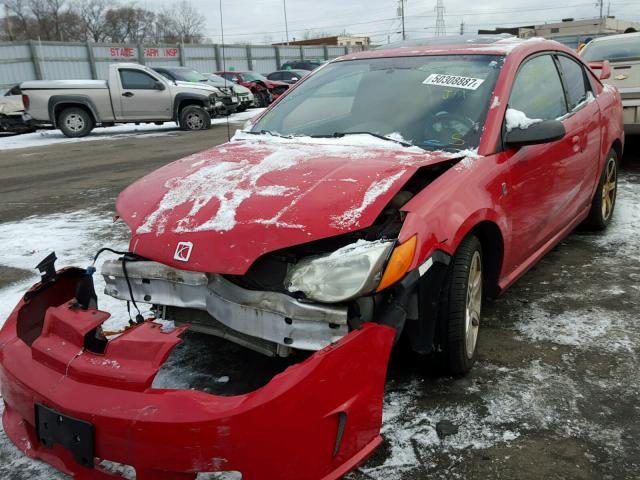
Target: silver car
{"points": [[623, 53]]}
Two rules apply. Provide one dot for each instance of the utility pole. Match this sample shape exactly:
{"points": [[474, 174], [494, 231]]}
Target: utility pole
{"points": [[440, 28], [286, 24], [600, 3], [401, 15]]}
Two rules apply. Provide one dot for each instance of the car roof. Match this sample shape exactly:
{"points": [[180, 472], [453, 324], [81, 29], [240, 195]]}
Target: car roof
{"points": [[294, 70], [477, 45], [620, 36]]}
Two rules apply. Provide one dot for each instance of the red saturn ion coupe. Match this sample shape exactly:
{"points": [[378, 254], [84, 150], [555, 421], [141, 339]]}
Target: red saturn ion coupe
{"points": [[388, 192]]}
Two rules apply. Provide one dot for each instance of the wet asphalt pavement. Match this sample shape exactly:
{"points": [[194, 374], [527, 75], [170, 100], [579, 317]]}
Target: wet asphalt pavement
{"points": [[554, 393]]}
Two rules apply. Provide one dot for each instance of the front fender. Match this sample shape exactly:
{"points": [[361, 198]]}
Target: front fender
{"points": [[445, 211]]}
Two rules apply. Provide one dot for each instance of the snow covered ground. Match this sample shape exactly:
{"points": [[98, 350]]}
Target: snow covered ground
{"points": [[559, 356], [43, 138]]}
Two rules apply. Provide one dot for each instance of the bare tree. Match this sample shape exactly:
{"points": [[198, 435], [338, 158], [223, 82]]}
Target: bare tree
{"points": [[100, 21], [93, 16], [129, 24], [18, 13], [189, 22]]}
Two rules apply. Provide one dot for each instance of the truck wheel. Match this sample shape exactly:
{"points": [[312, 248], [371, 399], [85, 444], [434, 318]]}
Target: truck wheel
{"points": [[75, 122], [460, 307], [194, 117], [604, 199]]}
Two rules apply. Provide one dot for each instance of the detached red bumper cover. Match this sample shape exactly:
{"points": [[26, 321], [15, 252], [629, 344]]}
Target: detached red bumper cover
{"points": [[316, 420]]}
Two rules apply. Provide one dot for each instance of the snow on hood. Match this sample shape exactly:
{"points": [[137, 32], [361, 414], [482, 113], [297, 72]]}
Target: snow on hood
{"points": [[260, 193]]}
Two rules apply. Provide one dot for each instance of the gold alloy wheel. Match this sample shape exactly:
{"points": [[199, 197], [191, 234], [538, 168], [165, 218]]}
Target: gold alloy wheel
{"points": [[474, 304], [609, 189]]}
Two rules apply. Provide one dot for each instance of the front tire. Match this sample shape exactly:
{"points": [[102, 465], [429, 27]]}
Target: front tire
{"points": [[194, 117], [604, 200], [75, 122], [460, 309], [261, 98]]}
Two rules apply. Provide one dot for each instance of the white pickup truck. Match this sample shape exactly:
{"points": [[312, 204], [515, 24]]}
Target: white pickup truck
{"points": [[133, 94]]}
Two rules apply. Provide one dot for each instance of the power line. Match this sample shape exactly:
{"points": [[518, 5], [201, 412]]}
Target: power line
{"points": [[392, 19]]}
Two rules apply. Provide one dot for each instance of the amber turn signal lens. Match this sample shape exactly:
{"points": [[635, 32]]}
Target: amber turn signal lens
{"points": [[399, 263]]}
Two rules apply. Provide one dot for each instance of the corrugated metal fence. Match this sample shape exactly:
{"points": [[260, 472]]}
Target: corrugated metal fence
{"points": [[22, 61]]}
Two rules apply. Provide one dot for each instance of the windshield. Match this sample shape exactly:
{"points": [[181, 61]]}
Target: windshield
{"points": [[252, 77], [433, 101], [187, 75], [612, 49]]}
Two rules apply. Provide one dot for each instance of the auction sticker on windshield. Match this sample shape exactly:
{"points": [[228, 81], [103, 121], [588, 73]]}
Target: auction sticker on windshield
{"points": [[454, 81]]}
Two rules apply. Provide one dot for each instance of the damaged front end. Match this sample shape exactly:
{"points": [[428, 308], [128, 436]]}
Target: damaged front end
{"points": [[78, 403], [245, 248]]}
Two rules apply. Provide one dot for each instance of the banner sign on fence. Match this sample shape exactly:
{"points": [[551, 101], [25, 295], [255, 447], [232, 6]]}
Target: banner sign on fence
{"points": [[128, 52], [149, 52]]}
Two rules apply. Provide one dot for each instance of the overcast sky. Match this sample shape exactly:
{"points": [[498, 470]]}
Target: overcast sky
{"points": [[260, 21]]}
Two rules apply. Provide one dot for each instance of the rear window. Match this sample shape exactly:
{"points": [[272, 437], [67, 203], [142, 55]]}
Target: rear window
{"points": [[612, 49]]}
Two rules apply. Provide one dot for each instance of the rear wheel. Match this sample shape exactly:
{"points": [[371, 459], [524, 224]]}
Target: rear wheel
{"points": [[194, 117], [460, 309], [604, 200], [75, 122]]}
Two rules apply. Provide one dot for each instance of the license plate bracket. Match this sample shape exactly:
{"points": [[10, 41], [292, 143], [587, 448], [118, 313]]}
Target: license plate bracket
{"points": [[75, 435]]}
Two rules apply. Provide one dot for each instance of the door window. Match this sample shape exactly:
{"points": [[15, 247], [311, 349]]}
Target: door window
{"points": [[276, 76], [537, 90], [136, 80], [574, 81]]}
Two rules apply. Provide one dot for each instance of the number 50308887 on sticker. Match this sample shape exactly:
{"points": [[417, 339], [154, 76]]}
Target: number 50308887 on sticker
{"points": [[453, 81]]}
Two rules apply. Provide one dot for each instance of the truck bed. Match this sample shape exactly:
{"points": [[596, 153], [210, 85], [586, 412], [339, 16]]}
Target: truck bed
{"points": [[64, 84]]}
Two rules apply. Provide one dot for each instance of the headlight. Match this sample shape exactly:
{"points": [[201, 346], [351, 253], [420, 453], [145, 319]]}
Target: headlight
{"points": [[347, 273]]}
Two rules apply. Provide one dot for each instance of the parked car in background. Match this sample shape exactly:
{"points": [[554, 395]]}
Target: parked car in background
{"points": [[264, 90], [288, 76], [12, 110], [301, 65], [179, 75], [247, 100], [623, 53], [133, 94]]}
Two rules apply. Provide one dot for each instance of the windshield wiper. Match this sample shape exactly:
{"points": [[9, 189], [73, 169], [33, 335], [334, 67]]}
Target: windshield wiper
{"points": [[377, 135], [268, 132]]}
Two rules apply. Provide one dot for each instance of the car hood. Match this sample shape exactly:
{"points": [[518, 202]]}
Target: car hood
{"points": [[196, 86], [240, 89], [221, 209]]}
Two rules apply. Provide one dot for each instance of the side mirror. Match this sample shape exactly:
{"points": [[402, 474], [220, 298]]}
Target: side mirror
{"points": [[158, 86], [538, 133], [604, 67]]}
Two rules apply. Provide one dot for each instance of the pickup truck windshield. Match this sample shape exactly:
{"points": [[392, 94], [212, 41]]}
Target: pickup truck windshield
{"points": [[612, 49], [434, 102]]}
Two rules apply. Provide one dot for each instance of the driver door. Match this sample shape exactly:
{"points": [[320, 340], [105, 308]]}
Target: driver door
{"points": [[140, 99], [540, 189]]}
